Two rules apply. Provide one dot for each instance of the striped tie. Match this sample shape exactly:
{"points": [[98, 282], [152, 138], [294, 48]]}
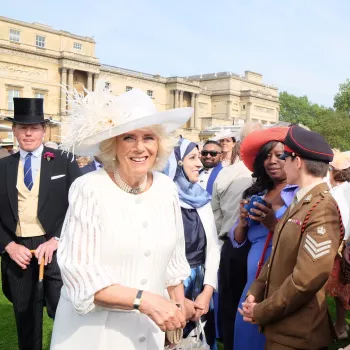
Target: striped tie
{"points": [[28, 178]]}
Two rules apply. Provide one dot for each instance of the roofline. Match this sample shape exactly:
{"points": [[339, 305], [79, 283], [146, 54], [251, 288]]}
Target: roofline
{"points": [[45, 28]]}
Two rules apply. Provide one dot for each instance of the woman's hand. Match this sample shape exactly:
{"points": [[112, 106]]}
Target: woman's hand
{"points": [[191, 307], [265, 215], [243, 213], [164, 312], [203, 299]]}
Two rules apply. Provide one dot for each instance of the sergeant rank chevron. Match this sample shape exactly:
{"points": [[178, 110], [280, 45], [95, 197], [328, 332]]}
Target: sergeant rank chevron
{"points": [[317, 250]]}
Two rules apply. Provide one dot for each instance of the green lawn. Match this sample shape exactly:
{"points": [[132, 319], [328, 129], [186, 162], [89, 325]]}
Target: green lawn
{"points": [[8, 338]]}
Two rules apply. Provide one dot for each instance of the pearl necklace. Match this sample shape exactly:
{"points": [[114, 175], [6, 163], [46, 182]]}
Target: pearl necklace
{"points": [[125, 187]]}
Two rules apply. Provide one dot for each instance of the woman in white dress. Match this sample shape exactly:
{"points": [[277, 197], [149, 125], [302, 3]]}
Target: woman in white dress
{"points": [[122, 242]]}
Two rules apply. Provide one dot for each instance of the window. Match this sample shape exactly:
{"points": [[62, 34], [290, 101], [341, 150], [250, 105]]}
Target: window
{"points": [[150, 93], [77, 46], [14, 35], [243, 107], [40, 41], [10, 96], [128, 88], [39, 95]]}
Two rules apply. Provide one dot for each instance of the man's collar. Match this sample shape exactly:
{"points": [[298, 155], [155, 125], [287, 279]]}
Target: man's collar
{"points": [[36, 153]]}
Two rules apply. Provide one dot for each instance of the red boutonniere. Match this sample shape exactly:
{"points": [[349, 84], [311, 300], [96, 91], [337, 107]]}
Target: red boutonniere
{"points": [[49, 156]]}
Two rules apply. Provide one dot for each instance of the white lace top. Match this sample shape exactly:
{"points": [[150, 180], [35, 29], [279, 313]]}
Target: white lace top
{"points": [[113, 237]]}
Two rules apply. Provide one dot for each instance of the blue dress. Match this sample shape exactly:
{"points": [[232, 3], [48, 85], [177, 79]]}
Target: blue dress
{"points": [[247, 336]]}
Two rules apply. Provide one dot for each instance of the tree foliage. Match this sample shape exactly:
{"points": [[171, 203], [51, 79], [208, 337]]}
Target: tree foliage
{"points": [[334, 125], [342, 98]]}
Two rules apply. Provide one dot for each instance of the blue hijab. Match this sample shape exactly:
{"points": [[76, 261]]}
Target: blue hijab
{"points": [[192, 195]]}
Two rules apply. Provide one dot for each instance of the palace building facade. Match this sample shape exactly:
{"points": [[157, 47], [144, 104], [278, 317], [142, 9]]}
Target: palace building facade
{"points": [[35, 60]]}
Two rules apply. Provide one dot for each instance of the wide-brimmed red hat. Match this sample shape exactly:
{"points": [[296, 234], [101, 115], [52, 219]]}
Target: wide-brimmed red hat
{"points": [[251, 145]]}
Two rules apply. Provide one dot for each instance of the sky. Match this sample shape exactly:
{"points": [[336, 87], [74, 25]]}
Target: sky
{"points": [[300, 46]]}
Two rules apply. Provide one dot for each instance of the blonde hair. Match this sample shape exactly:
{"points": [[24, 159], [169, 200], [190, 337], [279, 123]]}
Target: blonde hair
{"points": [[166, 143]]}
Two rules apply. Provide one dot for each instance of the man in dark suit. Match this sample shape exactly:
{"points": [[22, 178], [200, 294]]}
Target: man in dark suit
{"points": [[33, 204], [92, 166]]}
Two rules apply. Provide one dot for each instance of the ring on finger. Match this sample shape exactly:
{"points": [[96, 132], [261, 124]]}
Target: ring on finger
{"points": [[263, 215]]}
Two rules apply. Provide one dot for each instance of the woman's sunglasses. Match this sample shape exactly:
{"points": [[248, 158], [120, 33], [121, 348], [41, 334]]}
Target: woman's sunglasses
{"points": [[212, 153]]}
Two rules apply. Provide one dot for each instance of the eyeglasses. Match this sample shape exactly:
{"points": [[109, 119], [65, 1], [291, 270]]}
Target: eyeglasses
{"points": [[212, 153]]}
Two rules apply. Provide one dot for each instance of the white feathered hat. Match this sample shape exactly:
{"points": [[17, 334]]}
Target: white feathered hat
{"points": [[100, 115]]}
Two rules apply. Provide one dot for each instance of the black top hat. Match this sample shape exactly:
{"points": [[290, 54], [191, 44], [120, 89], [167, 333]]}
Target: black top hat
{"points": [[28, 111]]}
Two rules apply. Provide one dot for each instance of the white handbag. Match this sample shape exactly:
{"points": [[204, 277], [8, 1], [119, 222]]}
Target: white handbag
{"points": [[192, 342]]}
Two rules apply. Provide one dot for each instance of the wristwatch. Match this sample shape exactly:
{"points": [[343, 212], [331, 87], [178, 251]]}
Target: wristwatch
{"points": [[56, 238], [138, 299]]}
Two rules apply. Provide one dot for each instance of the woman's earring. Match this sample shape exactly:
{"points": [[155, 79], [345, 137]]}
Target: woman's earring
{"points": [[157, 159], [114, 158]]}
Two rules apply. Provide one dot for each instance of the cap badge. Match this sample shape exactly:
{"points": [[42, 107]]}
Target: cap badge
{"points": [[321, 231], [308, 198]]}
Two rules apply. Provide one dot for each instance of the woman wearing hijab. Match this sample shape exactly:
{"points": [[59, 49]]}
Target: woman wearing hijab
{"points": [[260, 152], [202, 245]]}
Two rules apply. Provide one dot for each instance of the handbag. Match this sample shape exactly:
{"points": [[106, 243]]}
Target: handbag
{"points": [[174, 337], [345, 266], [192, 342]]}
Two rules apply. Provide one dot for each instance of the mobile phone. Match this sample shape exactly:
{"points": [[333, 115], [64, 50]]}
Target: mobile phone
{"points": [[249, 206]]}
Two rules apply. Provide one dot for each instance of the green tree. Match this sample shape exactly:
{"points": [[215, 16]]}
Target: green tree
{"points": [[334, 125], [342, 98], [295, 109]]}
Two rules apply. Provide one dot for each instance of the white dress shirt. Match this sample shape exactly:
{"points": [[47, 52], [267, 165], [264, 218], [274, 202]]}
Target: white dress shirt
{"points": [[204, 177], [36, 159]]}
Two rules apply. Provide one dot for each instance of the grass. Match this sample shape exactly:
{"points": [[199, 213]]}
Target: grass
{"points": [[8, 338]]}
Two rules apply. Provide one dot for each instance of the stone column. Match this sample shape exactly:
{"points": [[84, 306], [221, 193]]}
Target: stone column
{"points": [[70, 78], [95, 80], [89, 81], [196, 112], [70, 83], [229, 110], [193, 105], [249, 111], [63, 104], [181, 98], [176, 98]]}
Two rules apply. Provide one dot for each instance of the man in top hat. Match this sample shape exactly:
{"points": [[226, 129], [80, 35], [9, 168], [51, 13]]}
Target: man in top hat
{"points": [[288, 298], [33, 204]]}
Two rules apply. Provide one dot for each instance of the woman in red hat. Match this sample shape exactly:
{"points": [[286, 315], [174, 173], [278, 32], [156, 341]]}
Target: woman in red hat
{"points": [[260, 153]]}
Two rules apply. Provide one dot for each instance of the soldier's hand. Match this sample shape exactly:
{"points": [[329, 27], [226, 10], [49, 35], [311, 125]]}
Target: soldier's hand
{"points": [[46, 251], [19, 254]]}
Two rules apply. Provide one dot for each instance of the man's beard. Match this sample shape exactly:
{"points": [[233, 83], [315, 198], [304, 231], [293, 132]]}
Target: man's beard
{"points": [[210, 166]]}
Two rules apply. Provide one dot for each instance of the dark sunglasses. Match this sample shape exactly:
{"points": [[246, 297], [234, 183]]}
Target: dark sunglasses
{"points": [[212, 153], [286, 154]]}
